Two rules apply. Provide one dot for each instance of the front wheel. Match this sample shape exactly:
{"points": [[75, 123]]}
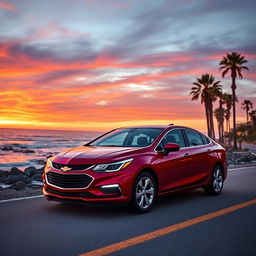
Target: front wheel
{"points": [[217, 179], [144, 193]]}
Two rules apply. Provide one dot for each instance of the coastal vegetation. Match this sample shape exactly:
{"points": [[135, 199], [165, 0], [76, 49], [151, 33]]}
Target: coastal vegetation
{"points": [[233, 63], [209, 91]]}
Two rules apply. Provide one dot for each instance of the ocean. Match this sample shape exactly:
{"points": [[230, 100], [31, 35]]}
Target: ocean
{"points": [[22, 148]]}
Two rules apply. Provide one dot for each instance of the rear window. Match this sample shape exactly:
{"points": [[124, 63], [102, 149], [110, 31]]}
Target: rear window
{"points": [[194, 138], [205, 139]]}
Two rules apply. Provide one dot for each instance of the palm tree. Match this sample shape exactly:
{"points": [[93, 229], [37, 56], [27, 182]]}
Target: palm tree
{"points": [[247, 105], [252, 115], [227, 99], [219, 115], [234, 63], [207, 88]]}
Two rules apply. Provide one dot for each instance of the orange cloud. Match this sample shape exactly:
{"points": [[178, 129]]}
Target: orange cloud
{"points": [[74, 94], [8, 7]]}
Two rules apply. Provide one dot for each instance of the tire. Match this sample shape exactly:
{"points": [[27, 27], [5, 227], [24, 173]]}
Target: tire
{"points": [[144, 193], [217, 179]]}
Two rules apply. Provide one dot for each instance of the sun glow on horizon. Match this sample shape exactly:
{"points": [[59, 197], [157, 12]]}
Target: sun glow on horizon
{"points": [[83, 69], [99, 127]]}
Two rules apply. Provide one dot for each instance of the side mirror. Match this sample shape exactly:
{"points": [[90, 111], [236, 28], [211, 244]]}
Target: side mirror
{"points": [[171, 147]]}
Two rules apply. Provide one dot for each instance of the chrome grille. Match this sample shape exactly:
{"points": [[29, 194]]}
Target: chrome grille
{"points": [[80, 167], [69, 181]]}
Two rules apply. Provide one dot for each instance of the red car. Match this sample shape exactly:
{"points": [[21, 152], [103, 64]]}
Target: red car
{"points": [[135, 164]]}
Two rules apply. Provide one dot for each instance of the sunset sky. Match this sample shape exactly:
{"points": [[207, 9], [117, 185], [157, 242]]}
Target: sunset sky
{"points": [[101, 64]]}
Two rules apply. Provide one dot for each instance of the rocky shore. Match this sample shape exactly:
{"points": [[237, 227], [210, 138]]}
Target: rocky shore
{"points": [[16, 183]]}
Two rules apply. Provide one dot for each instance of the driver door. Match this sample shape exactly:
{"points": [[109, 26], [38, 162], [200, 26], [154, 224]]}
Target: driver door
{"points": [[172, 168]]}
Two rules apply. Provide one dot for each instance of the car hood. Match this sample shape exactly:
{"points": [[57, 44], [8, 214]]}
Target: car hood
{"points": [[92, 155]]}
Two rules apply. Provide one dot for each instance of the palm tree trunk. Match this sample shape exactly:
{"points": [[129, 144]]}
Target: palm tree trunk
{"points": [[207, 118], [233, 86], [222, 131], [247, 116], [211, 119], [219, 130]]}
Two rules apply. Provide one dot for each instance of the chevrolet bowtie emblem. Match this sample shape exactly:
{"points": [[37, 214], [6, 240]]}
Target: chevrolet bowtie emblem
{"points": [[65, 168]]}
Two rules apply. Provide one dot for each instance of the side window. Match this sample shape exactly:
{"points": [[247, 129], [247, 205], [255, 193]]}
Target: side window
{"points": [[205, 139], [174, 136], [194, 138]]}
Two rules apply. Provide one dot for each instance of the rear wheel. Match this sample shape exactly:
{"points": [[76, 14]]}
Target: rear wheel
{"points": [[144, 193], [217, 179]]}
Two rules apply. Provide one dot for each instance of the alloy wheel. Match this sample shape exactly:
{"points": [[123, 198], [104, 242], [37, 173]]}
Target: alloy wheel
{"points": [[217, 180], [145, 192]]}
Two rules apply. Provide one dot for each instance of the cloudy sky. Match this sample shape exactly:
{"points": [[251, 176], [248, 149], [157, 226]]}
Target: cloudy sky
{"points": [[99, 64]]}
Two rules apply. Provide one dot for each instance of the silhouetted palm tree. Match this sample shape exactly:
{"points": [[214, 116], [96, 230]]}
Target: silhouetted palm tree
{"points": [[247, 106], [227, 99], [234, 63], [252, 115], [219, 115], [207, 88]]}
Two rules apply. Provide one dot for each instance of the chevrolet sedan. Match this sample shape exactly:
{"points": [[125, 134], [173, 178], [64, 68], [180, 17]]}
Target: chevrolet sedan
{"points": [[136, 164]]}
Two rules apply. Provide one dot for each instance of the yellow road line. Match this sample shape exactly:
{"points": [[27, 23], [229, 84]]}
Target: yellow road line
{"points": [[163, 231]]}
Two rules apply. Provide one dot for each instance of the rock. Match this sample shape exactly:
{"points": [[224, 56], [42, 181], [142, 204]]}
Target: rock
{"points": [[7, 148], [3, 173], [15, 178], [28, 151], [19, 185], [34, 186], [15, 171], [30, 171], [37, 177], [49, 154], [39, 161], [40, 171], [16, 150], [3, 176]]}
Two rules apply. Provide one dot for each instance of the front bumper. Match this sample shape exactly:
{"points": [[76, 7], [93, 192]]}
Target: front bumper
{"points": [[103, 187]]}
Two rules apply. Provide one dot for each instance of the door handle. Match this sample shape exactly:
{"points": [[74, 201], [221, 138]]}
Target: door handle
{"points": [[186, 155], [208, 150]]}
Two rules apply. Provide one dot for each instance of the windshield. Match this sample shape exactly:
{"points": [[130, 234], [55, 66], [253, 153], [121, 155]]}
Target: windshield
{"points": [[130, 137]]}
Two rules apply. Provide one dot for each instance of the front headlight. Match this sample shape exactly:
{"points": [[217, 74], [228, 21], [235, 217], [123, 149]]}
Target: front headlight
{"points": [[112, 167], [48, 165]]}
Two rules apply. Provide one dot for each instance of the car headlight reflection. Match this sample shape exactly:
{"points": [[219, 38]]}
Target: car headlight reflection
{"points": [[112, 167], [48, 165]]}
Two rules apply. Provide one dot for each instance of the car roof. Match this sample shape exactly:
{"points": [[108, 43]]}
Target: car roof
{"points": [[156, 126]]}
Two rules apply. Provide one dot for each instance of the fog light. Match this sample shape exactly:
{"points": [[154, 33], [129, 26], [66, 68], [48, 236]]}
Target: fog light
{"points": [[111, 189]]}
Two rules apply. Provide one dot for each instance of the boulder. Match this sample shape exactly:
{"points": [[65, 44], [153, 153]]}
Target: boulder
{"points": [[28, 151], [37, 177], [4, 175], [7, 148], [19, 185], [30, 171], [15, 178], [15, 171], [40, 161], [40, 171], [34, 186]]}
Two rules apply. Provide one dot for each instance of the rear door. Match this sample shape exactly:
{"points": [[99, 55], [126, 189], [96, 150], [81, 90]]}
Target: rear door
{"points": [[199, 148]]}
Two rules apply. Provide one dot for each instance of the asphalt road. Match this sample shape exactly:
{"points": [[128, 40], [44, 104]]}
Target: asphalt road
{"points": [[38, 227]]}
